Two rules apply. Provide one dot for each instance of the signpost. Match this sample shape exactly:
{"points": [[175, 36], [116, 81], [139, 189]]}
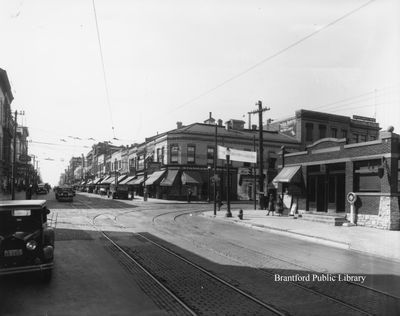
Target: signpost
{"points": [[351, 198], [234, 155]]}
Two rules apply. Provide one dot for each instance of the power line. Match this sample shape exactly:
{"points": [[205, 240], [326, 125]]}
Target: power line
{"points": [[103, 67], [281, 51]]}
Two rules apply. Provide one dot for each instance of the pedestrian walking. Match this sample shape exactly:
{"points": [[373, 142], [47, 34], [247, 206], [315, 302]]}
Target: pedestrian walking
{"points": [[189, 195], [271, 204], [28, 192], [219, 202]]}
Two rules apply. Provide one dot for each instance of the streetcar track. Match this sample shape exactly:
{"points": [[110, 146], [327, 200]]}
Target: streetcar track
{"points": [[304, 267], [339, 301], [194, 265]]}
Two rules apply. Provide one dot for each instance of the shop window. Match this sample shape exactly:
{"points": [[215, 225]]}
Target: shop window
{"points": [[334, 132], [363, 138], [344, 133], [322, 131], [366, 176], [210, 155], [309, 132], [191, 154], [174, 153], [355, 138]]}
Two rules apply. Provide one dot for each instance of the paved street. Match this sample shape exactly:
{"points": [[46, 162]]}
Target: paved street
{"points": [[93, 278]]}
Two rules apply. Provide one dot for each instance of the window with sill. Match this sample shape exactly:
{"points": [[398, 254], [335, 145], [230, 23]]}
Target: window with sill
{"points": [[174, 153], [191, 154]]}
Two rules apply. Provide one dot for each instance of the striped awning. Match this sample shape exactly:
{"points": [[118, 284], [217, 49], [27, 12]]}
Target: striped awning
{"points": [[137, 181], [128, 179], [290, 174], [107, 180], [154, 177], [191, 177], [170, 178]]}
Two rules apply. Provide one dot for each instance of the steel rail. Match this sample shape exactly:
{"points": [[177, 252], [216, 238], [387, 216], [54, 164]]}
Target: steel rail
{"points": [[148, 273]]}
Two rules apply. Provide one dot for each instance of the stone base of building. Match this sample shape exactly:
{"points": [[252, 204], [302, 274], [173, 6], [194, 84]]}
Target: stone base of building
{"points": [[388, 217]]}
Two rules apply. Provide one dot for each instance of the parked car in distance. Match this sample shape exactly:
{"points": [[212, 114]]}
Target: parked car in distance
{"points": [[26, 239], [64, 193], [41, 189]]}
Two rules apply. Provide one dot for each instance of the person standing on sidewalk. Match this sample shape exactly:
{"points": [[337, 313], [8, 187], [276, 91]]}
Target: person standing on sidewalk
{"points": [[189, 195], [271, 204], [28, 192]]}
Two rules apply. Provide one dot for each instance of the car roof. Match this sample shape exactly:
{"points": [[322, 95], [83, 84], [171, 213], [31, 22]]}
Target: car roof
{"points": [[22, 205]]}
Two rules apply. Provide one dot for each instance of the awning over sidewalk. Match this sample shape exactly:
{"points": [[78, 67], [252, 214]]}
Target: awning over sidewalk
{"points": [[169, 180], [154, 177], [96, 181], [128, 179], [89, 182], [137, 181], [290, 174], [191, 177], [106, 180], [120, 178]]}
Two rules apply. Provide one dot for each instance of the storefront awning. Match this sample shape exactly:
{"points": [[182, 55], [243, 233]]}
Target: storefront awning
{"points": [[170, 178], [120, 178], [106, 180], [128, 179], [96, 181], [154, 177], [137, 181], [290, 174], [89, 182], [191, 177]]}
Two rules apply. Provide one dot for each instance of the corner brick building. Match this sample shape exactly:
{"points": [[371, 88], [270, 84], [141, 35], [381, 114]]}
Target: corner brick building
{"points": [[320, 177]]}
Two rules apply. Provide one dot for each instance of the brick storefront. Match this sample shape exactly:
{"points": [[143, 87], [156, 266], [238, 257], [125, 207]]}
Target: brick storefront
{"points": [[331, 168]]}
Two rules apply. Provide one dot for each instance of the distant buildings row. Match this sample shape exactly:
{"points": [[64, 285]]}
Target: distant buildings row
{"points": [[325, 157], [11, 133]]}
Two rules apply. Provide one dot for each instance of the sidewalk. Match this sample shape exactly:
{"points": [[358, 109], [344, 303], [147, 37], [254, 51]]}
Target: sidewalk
{"points": [[382, 243]]}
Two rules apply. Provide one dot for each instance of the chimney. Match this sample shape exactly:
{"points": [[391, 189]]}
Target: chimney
{"points": [[219, 122], [210, 115], [254, 127], [178, 125]]}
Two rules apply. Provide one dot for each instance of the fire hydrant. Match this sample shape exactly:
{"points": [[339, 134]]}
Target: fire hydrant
{"points": [[240, 214]]}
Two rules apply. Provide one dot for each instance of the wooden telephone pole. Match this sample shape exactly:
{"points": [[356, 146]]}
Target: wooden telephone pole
{"points": [[260, 111]]}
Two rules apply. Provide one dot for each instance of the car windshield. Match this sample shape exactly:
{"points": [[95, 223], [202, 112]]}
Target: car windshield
{"points": [[10, 223]]}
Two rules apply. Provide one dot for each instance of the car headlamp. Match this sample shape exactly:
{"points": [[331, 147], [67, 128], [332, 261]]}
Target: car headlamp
{"points": [[31, 245]]}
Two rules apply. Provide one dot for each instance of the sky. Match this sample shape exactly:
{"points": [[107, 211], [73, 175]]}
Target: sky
{"points": [[177, 60]]}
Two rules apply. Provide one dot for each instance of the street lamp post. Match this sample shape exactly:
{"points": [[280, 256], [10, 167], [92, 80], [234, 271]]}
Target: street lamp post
{"points": [[209, 186], [228, 191]]}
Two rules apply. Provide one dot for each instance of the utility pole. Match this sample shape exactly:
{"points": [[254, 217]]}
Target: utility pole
{"points": [[13, 169], [260, 111], [215, 169]]}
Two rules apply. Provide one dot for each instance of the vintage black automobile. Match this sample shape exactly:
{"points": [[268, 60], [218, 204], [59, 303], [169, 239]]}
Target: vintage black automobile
{"points": [[26, 239], [64, 193]]}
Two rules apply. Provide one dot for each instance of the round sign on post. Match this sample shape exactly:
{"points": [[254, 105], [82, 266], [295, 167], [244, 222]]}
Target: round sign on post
{"points": [[351, 197]]}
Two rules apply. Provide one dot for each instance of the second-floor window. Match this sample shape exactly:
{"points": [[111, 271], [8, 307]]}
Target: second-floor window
{"points": [[309, 132], [174, 153], [334, 132], [322, 131], [191, 154], [158, 158]]}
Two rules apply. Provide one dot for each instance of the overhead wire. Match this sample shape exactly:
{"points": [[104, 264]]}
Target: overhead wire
{"points": [[274, 55], [103, 68]]}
